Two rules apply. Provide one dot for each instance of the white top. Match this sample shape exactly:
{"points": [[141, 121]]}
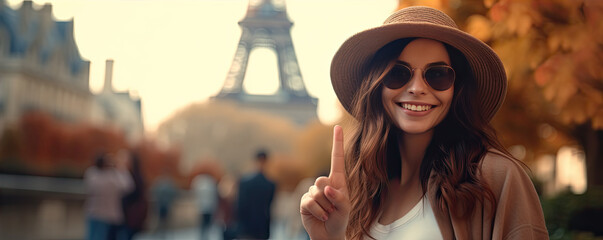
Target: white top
{"points": [[419, 223], [206, 193], [105, 190]]}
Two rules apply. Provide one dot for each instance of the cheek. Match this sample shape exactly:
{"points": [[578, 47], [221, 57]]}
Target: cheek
{"points": [[446, 97], [386, 101], [448, 107]]}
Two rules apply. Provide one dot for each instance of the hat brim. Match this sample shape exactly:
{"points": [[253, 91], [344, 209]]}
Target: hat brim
{"points": [[352, 58]]}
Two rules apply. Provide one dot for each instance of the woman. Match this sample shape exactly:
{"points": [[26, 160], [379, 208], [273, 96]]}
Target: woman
{"points": [[106, 182], [423, 156]]}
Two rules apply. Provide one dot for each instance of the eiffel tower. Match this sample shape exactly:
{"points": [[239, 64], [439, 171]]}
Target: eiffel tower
{"points": [[266, 24]]}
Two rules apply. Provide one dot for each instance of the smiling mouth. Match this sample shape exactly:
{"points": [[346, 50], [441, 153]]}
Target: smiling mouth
{"points": [[415, 108]]}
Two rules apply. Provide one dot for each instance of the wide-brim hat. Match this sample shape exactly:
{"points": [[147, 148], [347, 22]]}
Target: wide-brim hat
{"points": [[353, 57]]}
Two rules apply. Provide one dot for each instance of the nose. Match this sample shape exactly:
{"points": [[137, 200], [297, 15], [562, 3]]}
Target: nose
{"points": [[417, 85]]}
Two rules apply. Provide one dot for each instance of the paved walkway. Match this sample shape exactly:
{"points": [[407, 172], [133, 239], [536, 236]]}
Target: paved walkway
{"points": [[278, 233]]}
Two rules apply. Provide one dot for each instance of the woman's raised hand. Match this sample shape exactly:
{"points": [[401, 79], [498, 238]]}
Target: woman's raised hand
{"points": [[325, 207]]}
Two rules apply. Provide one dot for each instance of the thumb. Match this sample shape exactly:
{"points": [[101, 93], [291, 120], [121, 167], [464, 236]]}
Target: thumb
{"points": [[338, 198]]}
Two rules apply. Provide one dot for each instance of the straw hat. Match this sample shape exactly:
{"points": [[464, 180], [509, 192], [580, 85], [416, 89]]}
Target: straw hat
{"points": [[352, 58]]}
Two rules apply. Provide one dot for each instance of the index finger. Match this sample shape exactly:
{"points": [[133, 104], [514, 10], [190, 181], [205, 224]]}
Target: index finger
{"points": [[337, 161]]}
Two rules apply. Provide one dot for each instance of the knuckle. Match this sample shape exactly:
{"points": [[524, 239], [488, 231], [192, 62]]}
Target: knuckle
{"points": [[316, 209], [304, 203], [305, 196], [311, 206], [308, 205], [319, 179], [321, 182], [312, 191], [316, 194], [305, 209]]}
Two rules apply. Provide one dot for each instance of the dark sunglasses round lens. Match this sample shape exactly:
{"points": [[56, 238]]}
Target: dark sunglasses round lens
{"points": [[397, 77], [440, 77]]}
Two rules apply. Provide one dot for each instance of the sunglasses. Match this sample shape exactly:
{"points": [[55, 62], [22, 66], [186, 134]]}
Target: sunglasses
{"points": [[438, 77]]}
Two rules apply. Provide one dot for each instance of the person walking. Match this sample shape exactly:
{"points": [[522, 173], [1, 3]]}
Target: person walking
{"points": [[206, 194], [106, 182], [254, 202], [164, 192]]}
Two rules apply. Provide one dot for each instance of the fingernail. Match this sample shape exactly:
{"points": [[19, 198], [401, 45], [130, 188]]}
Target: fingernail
{"points": [[325, 218], [329, 192], [330, 209]]}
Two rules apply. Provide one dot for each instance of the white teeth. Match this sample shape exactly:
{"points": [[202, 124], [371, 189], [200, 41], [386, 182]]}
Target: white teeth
{"points": [[416, 108]]}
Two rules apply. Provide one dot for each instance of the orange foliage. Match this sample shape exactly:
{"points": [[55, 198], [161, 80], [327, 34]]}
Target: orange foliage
{"points": [[48, 146], [286, 171], [155, 162], [314, 149], [563, 37], [53, 148], [553, 53]]}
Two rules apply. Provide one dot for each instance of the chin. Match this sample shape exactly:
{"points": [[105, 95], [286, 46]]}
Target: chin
{"points": [[417, 131], [414, 129]]}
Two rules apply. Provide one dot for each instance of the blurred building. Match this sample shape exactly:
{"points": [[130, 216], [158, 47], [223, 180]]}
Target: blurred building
{"points": [[40, 66], [121, 110], [41, 69]]}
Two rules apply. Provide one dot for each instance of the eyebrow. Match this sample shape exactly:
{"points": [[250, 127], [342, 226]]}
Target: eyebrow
{"points": [[439, 63]]}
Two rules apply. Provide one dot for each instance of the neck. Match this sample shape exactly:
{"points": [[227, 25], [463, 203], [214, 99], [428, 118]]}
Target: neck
{"points": [[412, 150]]}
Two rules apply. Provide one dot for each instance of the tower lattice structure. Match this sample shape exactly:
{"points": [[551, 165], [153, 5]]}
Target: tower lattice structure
{"points": [[266, 24]]}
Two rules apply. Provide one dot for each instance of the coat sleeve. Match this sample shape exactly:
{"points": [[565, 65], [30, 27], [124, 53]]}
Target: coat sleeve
{"points": [[518, 211]]}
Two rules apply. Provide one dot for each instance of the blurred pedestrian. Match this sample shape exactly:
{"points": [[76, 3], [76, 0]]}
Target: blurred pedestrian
{"points": [[254, 202], [206, 193], [164, 193], [106, 182], [227, 188], [135, 204]]}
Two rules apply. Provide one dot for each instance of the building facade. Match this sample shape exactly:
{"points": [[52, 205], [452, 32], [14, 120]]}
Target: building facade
{"points": [[40, 66], [41, 69], [118, 109]]}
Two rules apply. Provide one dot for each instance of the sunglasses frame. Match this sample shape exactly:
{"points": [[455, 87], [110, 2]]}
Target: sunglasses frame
{"points": [[423, 71]]}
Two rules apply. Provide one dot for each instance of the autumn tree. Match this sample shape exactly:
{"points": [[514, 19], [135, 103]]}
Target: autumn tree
{"points": [[39, 144], [313, 149], [226, 132], [156, 161], [553, 53]]}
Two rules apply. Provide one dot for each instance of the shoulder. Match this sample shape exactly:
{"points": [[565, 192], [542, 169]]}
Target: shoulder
{"points": [[495, 159], [92, 173], [498, 169], [249, 177], [518, 212]]}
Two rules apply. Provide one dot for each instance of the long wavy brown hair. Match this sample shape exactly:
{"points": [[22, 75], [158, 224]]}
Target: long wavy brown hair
{"points": [[459, 143]]}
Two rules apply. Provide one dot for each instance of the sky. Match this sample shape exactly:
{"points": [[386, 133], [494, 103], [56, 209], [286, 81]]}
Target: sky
{"points": [[175, 53]]}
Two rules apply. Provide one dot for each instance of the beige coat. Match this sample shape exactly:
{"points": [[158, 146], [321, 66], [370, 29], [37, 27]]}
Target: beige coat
{"points": [[518, 211]]}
